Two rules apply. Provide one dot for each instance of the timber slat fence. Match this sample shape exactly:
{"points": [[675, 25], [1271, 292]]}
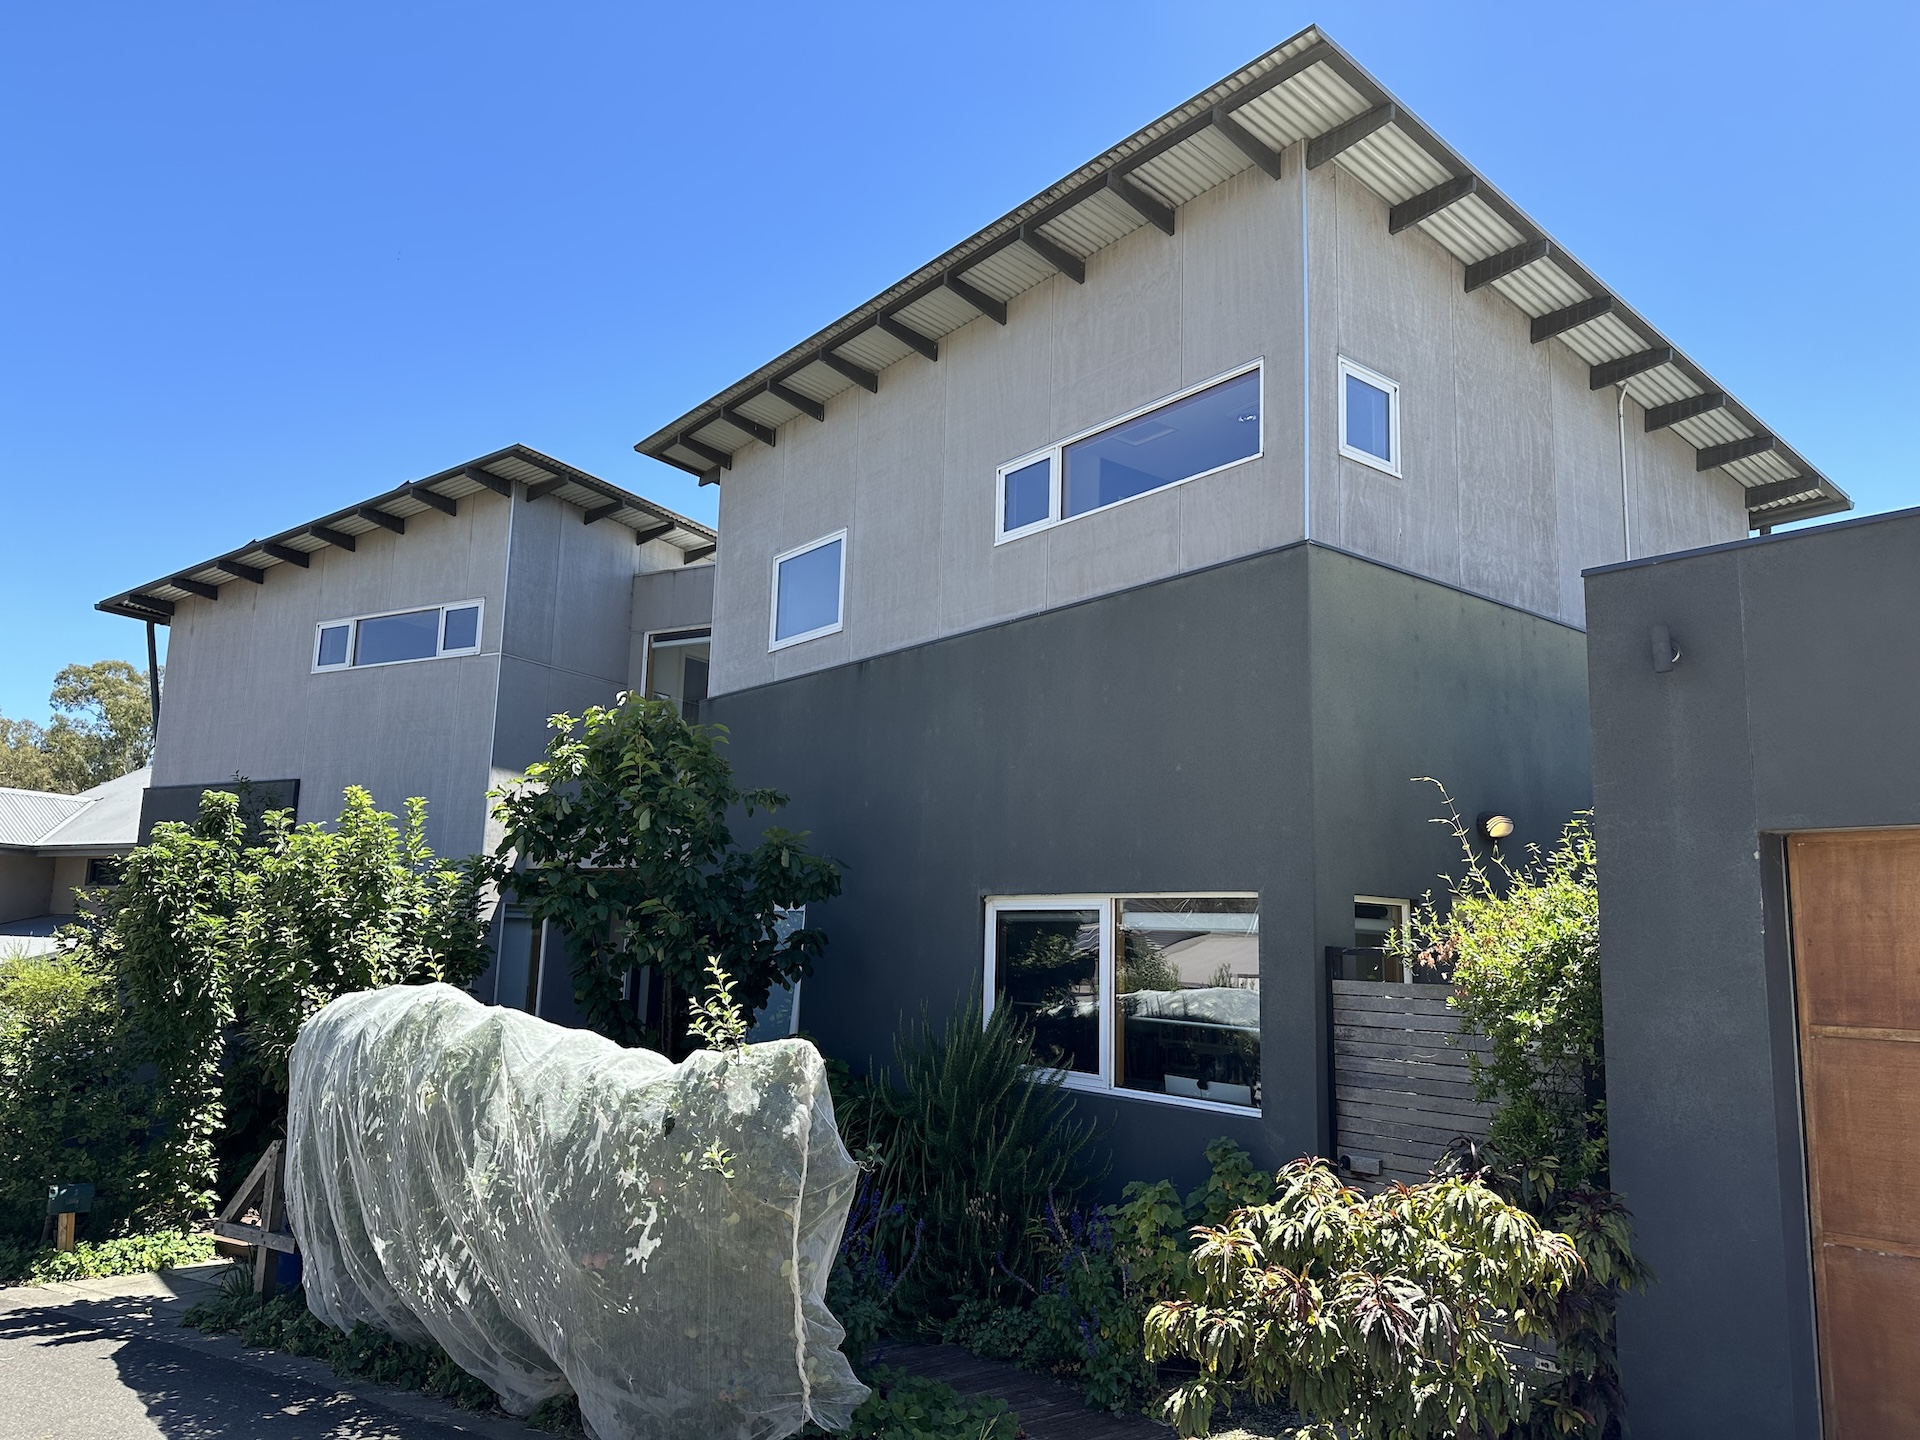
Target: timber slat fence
{"points": [[1401, 1087]]}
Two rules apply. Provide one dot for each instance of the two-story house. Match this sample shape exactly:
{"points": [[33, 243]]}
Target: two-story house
{"points": [[1098, 589], [416, 644]]}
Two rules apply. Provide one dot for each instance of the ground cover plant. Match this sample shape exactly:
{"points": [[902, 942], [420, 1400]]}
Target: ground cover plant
{"points": [[620, 837], [129, 1255]]}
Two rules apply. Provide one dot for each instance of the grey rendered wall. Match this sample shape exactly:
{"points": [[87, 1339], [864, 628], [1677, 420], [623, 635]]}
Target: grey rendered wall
{"points": [[1151, 740], [26, 884], [241, 696], [568, 632], [1248, 727], [680, 598], [910, 471], [1791, 709], [1510, 474], [1412, 679]]}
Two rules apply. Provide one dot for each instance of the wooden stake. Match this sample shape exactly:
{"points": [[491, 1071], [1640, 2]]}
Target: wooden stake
{"points": [[63, 1232]]}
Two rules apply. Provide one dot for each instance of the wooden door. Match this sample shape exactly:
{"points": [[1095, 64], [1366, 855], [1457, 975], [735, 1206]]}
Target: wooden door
{"points": [[1856, 948]]}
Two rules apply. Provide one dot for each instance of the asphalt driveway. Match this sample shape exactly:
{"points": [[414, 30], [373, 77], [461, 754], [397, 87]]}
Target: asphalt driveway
{"points": [[107, 1360]]}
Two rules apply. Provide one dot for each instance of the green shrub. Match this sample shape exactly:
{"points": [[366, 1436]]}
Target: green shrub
{"points": [[67, 1110], [1082, 1314], [1386, 1316], [129, 1255], [971, 1144], [912, 1407], [1521, 940], [285, 1323]]}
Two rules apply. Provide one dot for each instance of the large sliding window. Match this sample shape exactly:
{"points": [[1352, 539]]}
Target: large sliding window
{"points": [[1184, 437], [1155, 995], [397, 637]]}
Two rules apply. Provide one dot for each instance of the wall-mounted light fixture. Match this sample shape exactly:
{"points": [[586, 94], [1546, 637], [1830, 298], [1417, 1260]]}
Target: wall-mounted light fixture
{"points": [[1666, 651], [1494, 827]]}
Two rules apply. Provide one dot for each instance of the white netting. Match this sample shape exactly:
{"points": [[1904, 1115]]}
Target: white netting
{"points": [[550, 1208]]}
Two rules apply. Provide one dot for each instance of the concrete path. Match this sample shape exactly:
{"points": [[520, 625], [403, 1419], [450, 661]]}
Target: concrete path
{"points": [[107, 1360]]}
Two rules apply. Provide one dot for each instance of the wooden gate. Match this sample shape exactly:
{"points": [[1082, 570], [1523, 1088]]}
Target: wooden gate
{"points": [[1401, 1087], [1856, 947]]}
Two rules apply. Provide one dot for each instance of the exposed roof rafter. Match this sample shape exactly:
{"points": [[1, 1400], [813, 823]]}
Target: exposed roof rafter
{"points": [[239, 571], [908, 336], [763, 433], [1661, 416], [1714, 456], [337, 538], [286, 554], [787, 395], [1572, 317], [1323, 148], [1612, 372], [1495, 267], [381, 518], [994, 310], [858, 374], [1429, 203], [434, 500], [1055, 254], [195, 587], [1155, 212]]}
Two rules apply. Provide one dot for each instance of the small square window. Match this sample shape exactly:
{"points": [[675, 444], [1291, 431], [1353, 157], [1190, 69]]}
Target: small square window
{"points": [[808, 586], [1027, 495], [1369, 417], [333, 646], [461, 629]]}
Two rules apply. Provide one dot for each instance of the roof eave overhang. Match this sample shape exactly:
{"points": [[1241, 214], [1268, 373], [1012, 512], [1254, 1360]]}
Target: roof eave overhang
{"points": [[705, 439], [536, 476]]}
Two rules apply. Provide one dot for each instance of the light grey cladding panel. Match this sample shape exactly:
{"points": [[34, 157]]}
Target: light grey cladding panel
{"points": [[1510, 463], [569, 590], [910, 471], [530, 693], [242, 699], [677, 599]]}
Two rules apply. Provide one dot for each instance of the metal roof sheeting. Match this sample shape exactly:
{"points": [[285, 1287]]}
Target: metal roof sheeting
{"points": [[1300, 91], [26, 815], [502, 469]]}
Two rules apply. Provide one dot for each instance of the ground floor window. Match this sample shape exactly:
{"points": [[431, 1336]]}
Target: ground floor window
{"points": [[1145, 994], [677, 670]]}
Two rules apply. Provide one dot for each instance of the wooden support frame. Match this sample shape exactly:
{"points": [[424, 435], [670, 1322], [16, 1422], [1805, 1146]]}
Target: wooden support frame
{"points": [[265, 1190]]}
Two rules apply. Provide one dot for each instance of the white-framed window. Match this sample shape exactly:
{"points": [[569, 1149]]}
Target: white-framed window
{"points": [[1377, 921], [396, 637], [1195, 433], [1151, 996], [809, 591], [676, 671], [1369, 417]]}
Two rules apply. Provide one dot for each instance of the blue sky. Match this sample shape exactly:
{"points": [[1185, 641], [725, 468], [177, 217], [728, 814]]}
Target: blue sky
{"points": [[261, 261]]}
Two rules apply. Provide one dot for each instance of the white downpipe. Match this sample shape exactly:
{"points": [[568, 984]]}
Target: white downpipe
{"points": [[1306, 367], [1626, 512]]}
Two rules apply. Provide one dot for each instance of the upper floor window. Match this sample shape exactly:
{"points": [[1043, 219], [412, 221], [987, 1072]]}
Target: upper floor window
{"points": [[677, 663], [1192, 434], [1369, 417], [809, 591], [399, 636]]}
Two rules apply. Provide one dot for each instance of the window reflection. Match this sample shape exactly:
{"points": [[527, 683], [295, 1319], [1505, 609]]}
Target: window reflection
{"points": [[1188, 437], [1187, 982], [1047, 967]]}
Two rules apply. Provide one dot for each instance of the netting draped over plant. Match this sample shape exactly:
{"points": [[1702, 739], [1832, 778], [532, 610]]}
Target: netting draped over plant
{"points": [[557, 1211]]}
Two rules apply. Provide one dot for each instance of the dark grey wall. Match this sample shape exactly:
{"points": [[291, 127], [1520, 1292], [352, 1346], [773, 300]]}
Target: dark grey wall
{"points": [[1161, 739], [1793, 708]]}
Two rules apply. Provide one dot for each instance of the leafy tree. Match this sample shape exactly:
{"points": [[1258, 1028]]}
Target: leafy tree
{"points": [[620, 838], [102, 728], [1521, 940]]}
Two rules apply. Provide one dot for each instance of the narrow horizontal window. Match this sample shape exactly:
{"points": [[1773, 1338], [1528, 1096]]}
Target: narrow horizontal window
{"points": [[1144, 994], [1165, 446], [808, 588], [396, 638], [1173, 441], [387, 638], [1369, 418]]}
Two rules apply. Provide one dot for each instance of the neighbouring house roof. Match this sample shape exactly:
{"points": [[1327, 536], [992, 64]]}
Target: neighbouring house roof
{"points": [[539, 475], [102, 821], [1307, 89]]}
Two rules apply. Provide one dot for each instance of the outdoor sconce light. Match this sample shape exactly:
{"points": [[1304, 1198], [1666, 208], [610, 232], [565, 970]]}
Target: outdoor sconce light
{"points": [[1666, 654], [1495, 827]]}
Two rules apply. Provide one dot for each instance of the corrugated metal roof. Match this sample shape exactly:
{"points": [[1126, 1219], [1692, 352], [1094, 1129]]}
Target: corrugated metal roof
{"points": [[496, 472], [1299, 91], [26, 815], [109, 822]]}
